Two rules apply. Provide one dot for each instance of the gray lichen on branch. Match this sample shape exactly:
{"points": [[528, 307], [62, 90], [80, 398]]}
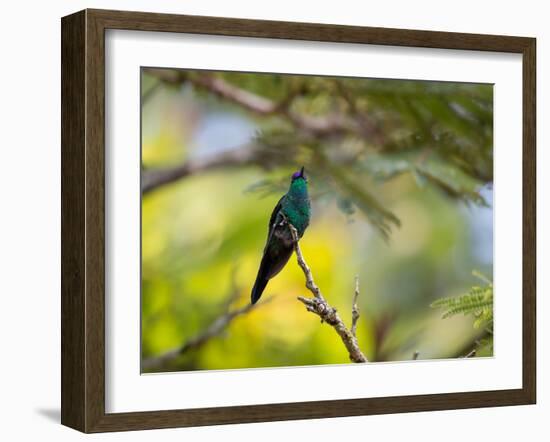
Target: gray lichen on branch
{"points": [[319, 306]]}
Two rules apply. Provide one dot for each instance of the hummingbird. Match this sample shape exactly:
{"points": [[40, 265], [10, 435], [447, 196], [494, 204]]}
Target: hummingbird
{"points": [[293, 208]]}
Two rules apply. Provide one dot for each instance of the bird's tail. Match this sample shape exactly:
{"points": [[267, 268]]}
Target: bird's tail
{"points": [[261, 281]]}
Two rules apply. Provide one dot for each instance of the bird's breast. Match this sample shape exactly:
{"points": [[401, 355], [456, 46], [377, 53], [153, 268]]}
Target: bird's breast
{"points": [[298, 217]]}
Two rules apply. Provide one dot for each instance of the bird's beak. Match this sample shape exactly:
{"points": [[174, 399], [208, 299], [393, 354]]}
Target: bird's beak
{"points": [[302, 172]]}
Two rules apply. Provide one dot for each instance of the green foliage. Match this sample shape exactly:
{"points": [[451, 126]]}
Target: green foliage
{"points": [[478, 303], [439, 133], [428, 169]]}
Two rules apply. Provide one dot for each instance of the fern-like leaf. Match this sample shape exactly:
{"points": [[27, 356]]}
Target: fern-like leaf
{"points": [[478, 302]]}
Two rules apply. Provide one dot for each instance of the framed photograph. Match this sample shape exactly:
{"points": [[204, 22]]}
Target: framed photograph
{"points": [[266, 220]]}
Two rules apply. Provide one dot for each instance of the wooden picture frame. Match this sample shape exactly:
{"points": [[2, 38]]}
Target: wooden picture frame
{"points": [[83, 220]]}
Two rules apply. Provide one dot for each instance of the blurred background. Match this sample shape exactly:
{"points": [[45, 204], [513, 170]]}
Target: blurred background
{"points": [[400, 175]]}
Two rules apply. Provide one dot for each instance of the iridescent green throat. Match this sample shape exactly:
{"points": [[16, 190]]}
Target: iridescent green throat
{"points": [[296, 205]]}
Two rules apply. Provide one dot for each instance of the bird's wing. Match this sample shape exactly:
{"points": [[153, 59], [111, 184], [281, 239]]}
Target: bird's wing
{"points": [[276, 210], [273, 219]]}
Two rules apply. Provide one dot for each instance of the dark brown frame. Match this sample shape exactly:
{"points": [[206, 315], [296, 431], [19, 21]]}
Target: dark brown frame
{"points": [[83, 220]]}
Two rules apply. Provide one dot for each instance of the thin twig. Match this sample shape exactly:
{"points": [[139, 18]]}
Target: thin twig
{"points": [[310, 283], [467, 349], [471, 354], [322, 308], [354, 309], [214, 329]]}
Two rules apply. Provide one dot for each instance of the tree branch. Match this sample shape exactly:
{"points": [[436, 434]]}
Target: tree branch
{"points": [[332, 124], [317, 126], [154, 178], [319, 306], [214, 329]]}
